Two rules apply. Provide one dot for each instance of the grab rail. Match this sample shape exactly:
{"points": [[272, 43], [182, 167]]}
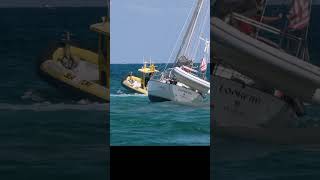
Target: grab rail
{"points": [[256, 23], [270, 29]]}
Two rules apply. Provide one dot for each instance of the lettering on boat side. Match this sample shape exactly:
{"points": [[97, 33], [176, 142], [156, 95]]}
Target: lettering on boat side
{"points": [[184, 91], [85, 83], [240, 94]]}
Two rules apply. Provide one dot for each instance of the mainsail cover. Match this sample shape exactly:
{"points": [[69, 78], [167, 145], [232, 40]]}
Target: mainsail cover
{"points": [[188, 35], [190, 41]]}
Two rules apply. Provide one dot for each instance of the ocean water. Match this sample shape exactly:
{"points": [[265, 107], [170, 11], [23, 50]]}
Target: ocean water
{"points": [[45, 132], [238, 159], [136, 121]]}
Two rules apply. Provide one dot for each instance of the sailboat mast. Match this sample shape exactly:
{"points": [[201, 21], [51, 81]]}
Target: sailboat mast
{"points": [[190, 27], [193, 27]]}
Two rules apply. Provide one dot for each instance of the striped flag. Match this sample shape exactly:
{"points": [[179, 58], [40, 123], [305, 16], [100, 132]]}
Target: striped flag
{"points": [[299, 14], [203, 65]]}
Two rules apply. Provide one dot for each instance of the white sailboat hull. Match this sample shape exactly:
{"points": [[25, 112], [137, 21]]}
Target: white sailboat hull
{"points": [[259, 117], [236, 106], [265, 63], [161, 91], [191, 80]]}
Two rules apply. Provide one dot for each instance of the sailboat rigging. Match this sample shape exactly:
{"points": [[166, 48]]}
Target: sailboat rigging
{"points": [[181, 82]]}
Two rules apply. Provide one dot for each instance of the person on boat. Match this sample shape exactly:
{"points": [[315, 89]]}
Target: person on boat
{"points": [[135, 84], [152, 68], [131, 77], [258, 16], [252, 9], [147, 78]]}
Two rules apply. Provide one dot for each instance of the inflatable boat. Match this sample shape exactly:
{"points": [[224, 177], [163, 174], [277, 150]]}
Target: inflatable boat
{"points": [[191, 80], [139, 84], [81, 70]]}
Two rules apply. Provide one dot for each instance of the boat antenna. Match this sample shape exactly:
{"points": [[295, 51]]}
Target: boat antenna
{"points": [[200, 37], [207, 45]]}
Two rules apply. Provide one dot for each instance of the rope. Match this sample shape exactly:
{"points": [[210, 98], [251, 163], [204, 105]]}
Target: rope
{"points": [[201, 31], [192, 31], [183, 27]]}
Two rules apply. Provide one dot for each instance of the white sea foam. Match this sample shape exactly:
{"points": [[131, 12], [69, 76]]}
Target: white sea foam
{"points": [[30, 95], [120, 93], [42, 104]]}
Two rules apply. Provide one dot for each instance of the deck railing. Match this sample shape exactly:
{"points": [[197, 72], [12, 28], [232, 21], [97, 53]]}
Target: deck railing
{"points": [[279, 39]]}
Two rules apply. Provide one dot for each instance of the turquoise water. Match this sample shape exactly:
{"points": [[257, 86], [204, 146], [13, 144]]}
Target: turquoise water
{"points": [[44, 132], [136, 121], [239, 159]]}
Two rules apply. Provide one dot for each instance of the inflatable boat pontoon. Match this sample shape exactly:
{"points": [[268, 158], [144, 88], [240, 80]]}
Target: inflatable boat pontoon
{"points": [[84, 71]]}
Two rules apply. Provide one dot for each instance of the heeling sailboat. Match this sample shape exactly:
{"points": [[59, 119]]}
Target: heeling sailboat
{"points": [[182, 82], [260, 83]]}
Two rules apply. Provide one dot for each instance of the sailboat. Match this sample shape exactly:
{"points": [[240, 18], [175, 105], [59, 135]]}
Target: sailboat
{"points": [[80, 70], [260, 83], [182, 82]]}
